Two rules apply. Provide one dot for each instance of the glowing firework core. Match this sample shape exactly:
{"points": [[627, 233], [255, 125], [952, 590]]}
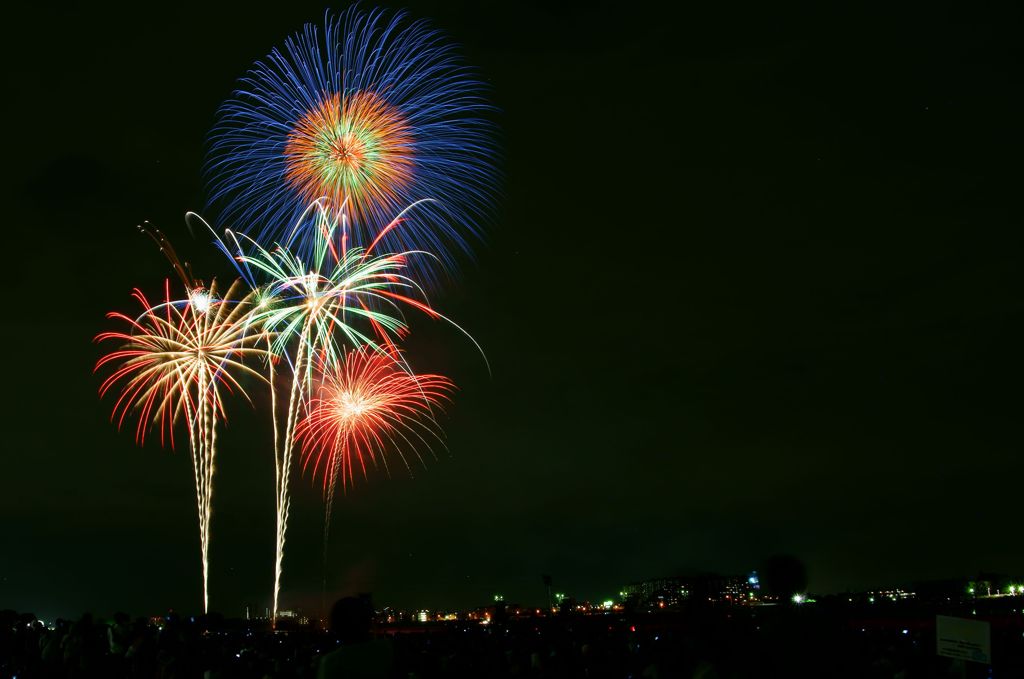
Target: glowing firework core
{"points": [[356, 148], [352, 404], [200, 299]]}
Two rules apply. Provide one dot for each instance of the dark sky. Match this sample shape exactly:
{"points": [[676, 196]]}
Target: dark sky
{"points": [[754, 287]]}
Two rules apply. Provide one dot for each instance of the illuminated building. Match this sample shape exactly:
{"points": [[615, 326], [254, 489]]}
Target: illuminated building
{"points": [[669, 593]]}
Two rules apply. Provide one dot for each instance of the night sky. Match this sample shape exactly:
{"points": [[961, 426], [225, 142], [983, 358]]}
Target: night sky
{"points": [[753, 287]]}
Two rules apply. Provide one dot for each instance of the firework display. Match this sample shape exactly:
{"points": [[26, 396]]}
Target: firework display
{"points": [[174, 363], [367, 407], [315, 306], [371, 112], [344, 167]]}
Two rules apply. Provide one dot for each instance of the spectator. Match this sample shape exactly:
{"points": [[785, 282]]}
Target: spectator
{"points": [[359, 656]]}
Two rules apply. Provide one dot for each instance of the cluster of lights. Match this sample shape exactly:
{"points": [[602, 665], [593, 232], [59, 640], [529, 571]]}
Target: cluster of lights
{"points": [[798, 598], [986, 589]]}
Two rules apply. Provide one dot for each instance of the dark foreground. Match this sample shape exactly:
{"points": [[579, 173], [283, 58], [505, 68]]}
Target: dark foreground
{"points": [[820, 640]]}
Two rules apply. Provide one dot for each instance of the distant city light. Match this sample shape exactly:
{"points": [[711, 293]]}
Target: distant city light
{"points": [[799, 598], [608, 604]]}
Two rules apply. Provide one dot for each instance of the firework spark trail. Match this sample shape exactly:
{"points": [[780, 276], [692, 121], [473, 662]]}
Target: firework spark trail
{"points": [[371, 112], [314, 305], [174, 360]]}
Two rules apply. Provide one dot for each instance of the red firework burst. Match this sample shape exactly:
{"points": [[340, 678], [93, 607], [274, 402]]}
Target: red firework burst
{"points": [[368, 406]]}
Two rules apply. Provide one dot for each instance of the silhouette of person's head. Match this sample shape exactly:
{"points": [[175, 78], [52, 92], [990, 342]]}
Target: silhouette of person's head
{"points": [[350, 619]]}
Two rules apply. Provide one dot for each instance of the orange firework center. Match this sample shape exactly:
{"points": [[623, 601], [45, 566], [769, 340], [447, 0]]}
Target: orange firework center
{"points": [[348, 150], [355, 150]]}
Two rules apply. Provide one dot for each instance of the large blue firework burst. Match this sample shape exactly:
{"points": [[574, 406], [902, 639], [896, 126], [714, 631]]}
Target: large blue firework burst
{"points": [[370, 114]]}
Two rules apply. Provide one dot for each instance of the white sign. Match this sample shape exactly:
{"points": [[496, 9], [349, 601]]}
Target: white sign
{"points": [[963, 639]]}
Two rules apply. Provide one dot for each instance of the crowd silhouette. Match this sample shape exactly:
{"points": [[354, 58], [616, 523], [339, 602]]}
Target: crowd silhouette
{"points": [[791, 641]]}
